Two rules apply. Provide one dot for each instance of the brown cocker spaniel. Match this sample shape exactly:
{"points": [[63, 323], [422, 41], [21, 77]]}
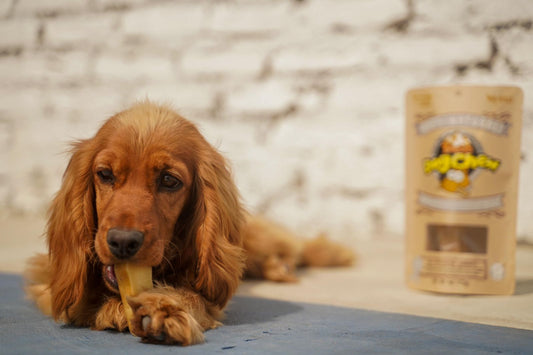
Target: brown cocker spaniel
{"points": [[148, 189]]}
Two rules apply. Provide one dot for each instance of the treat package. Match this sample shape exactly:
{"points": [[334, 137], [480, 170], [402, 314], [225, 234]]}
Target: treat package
{"points": [[462, 160]]}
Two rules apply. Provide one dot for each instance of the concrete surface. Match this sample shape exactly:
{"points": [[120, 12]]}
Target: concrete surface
{"points": [[375, 283], [262, 326]]}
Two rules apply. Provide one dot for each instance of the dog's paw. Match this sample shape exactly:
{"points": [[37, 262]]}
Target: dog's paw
{"points": [[158, 318], [279, 269]]}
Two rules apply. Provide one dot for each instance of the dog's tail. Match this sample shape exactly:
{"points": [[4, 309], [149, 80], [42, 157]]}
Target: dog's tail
{"points": [[37, 277], [321, 251]]}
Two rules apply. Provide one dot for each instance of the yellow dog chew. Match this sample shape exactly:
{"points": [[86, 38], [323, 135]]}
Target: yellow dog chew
{"points": [[132, 279]]}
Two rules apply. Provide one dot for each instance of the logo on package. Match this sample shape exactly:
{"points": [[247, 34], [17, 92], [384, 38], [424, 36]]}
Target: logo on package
{"points": [[457, 159]]}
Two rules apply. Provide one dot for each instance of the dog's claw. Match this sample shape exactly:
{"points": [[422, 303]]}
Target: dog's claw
{"points": [[146, 323], [161, 337]]}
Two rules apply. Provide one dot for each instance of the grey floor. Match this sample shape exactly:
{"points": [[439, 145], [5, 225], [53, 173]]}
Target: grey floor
{"points": [[263, 326]]}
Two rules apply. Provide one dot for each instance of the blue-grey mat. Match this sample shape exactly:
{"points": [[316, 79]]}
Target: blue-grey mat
{"points": [[262, 326]]}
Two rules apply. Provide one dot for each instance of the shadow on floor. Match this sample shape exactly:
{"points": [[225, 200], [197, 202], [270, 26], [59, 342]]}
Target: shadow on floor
{"points": [[253, 310], [523, 287]]}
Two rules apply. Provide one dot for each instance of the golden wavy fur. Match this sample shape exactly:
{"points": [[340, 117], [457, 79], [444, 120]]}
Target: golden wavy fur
{"points": [[150, 171]]}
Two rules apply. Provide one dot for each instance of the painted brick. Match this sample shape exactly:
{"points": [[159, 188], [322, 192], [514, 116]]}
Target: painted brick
{"points": [[190, 99], [5, 8], [238, 60], [19, 33], [492, 12], [108, 5], [242, 17], [69, 104], [343, 148], [324, 53], [435, 51], [14, 104], [373, 98], [44, 67], [36, 179], [80, 31], [440, 16], [167, 23], [49, 8], [128, 66], [265, 98], [517, 45], [354, 15]]}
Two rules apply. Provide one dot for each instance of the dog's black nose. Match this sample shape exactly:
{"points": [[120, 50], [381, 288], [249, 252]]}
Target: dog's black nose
{"points": [[124, 243]]}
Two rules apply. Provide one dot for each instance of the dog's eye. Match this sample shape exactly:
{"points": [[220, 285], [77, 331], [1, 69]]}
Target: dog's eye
{"points": [[169, 183], [106, 176]]}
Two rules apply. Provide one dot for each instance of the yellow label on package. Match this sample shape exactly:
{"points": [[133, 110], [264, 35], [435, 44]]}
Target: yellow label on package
{"points": [[462, 161]]}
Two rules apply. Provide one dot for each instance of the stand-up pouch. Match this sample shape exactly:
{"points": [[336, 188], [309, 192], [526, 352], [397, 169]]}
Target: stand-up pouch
{"points": [[462, 160]]}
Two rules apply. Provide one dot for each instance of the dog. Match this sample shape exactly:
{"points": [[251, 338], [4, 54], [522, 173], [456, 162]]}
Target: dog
{"points": [[149, 189]]}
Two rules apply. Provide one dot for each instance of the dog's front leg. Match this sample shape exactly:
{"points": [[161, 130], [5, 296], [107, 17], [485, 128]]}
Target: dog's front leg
{"points": [[111, 316], [173, 316]]}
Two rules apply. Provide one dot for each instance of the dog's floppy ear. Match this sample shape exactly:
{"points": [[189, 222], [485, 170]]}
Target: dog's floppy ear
{"points": [[220, 257], [71, 225]]}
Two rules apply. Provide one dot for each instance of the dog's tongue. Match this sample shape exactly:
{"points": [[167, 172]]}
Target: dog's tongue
{"points": [[132, 279], [110, 275]]}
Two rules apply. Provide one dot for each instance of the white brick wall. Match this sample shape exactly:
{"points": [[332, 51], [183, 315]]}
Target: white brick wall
{"points": [[33, 8], [305, 97], [18, 34]]}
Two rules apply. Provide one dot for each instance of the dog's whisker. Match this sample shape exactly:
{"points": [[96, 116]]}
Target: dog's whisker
{"points": [[176, 252]]}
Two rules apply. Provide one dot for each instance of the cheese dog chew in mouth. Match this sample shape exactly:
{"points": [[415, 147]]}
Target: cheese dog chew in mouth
{"points": [[132, 279]]}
